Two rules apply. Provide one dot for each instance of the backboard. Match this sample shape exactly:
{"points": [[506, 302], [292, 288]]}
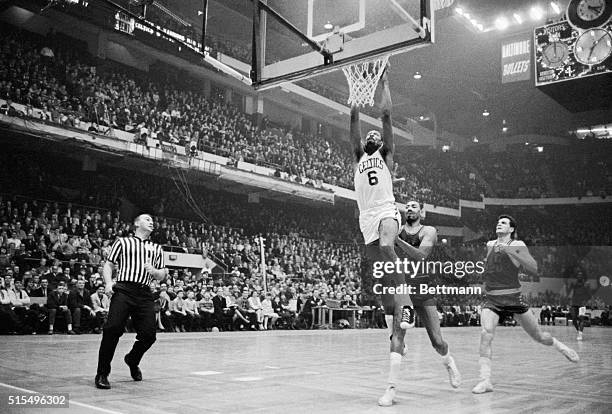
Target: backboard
{"points": [[296, 39]]}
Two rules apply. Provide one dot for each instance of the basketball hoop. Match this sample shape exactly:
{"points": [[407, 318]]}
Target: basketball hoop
{"points": [[363, 78]]}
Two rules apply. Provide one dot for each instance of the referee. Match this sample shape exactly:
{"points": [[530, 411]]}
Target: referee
{"points": [[139, 261]]}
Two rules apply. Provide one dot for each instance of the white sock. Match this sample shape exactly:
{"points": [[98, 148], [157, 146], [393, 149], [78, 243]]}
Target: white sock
{"points": [[395, 362], [446, 358], [558, 344], [485, 368], [389, 321]]}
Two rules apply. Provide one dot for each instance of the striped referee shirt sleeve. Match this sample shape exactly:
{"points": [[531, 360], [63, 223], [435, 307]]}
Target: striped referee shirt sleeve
{"points": [[116, 250], [160, 262]]}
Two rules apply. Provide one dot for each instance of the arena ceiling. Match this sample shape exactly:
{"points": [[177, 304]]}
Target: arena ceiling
{"points": [[461, 77], [461, 72]]}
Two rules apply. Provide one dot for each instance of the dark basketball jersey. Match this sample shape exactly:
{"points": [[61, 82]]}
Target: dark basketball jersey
{"points": [[500, 273], [581, 295], [418, 300], [414, 240]]}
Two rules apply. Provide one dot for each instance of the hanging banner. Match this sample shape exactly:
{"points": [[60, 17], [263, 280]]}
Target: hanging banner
{"points": [[516, 58]]}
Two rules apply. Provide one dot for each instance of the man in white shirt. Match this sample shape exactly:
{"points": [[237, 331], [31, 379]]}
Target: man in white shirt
{"points": [[101, 305], [20, 301]]}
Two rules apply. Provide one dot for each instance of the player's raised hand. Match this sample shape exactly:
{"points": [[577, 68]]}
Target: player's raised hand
{"points": [[385, 97], [384, 78]]}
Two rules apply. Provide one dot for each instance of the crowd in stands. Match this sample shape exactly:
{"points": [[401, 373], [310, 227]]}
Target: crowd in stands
{"points": [[313, 253], [45, 244], [71, 88], [582, 169]]}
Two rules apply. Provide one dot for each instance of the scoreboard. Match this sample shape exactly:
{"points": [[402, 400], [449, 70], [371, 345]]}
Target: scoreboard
{"points": [[564, 53]]}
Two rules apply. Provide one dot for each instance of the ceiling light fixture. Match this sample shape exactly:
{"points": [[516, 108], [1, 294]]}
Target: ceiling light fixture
{"points": [[501, 23], [417, 75], [328, 26], [536, 13], [505, 129], [486, 112], [518, 18]]}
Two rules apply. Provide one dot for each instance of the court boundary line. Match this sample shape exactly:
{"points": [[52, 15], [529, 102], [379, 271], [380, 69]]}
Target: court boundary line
{"points": [[70, 402]]}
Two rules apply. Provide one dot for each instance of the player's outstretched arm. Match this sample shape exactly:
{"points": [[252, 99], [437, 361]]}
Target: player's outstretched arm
{"points": [[385, 105], [356, 133]]}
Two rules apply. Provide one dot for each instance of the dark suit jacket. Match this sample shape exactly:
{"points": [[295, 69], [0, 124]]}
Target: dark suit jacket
{"points": [[55, 300], [38, 293], [75, 300], [219, 303], [54, 280]]}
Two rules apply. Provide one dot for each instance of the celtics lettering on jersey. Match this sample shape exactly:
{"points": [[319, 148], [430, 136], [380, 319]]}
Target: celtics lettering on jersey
{"points": [[373, 182]]}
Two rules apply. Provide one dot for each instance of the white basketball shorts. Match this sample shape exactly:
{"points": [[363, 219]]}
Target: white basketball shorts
{"points": [[369, 221]]}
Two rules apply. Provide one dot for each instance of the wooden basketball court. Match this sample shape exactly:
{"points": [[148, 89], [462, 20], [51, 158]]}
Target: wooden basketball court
{"points": [[311, 372]]}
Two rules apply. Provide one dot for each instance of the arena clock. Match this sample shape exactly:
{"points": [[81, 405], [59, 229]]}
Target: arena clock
{"points": [[555, 54], [593, 46], [588, 14]]}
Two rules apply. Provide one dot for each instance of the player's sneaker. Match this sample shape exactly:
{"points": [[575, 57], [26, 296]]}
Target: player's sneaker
{"points": [[579, 337], [482, 387], [407, 317], [568, 352], [454, 375], [388, 398]]}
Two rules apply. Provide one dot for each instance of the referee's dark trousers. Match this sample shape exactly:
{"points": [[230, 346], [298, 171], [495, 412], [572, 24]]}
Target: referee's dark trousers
{"points": [[129, 299]]}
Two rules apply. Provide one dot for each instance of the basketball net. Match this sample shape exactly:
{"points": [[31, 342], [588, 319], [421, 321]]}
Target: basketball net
{"points": [[363, 78]]}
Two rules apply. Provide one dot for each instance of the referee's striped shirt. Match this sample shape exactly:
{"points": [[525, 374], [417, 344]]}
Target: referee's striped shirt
{"points": [[131, 254]]}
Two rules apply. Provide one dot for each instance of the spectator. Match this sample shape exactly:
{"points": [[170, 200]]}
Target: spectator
{"points": [[9, 321], [81, 307], [43, 290], [206, 308], [177, 309], [255, 306], [244, 316], [100, 305], [223, 313], [58, 301], [269, 313], [191, 308]]}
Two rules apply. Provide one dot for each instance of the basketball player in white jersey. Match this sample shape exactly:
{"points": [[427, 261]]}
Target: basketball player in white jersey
{"points": [[380, 220]]}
